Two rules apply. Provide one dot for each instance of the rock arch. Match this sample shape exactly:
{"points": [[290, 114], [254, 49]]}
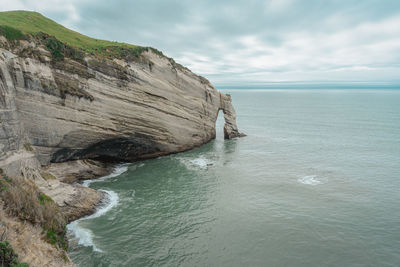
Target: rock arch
{"points": [[230, 127]]}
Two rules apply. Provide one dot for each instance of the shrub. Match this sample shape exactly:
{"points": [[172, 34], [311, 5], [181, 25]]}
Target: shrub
{"points": [[55, 238], [74, 54], [64, 256], [4, 180], [28, 147], [3, 186], [43, 198], [8, 257], [56, 48], [125, 52], [24, 200], [10, 33], [60, 50]]}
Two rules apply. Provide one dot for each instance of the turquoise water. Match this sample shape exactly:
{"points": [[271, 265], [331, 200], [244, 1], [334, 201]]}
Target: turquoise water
{"points": [[315, 183]]}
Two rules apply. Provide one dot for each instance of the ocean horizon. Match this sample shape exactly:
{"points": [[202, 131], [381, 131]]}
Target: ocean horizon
{"points": [[312, 86]]}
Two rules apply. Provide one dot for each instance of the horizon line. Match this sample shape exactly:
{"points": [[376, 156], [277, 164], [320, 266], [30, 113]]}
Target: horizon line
{"points": [[309, 85]]}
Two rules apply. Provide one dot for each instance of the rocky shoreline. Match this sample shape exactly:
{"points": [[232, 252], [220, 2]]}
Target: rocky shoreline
{"points": [[75, 200], [60, 182]]}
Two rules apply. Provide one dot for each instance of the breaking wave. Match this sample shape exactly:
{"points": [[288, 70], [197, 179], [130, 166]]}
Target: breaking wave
{"points": [[84, 236]]}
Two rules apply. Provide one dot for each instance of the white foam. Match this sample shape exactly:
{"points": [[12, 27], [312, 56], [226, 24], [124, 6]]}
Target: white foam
{"points": [[83, 235], [120, 169], [200, 162], [309, 180]]}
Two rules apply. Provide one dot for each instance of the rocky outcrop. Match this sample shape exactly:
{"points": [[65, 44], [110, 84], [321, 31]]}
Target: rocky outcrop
{"points": [[74, 201], [230, 127], [79, 170], [109, 110]]}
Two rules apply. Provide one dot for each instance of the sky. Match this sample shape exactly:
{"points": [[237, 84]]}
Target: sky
{"points": [[233, 42]]}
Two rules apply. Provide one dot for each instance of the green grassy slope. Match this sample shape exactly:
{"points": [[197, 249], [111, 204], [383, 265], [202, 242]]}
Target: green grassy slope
{"points": [[33, 23]]}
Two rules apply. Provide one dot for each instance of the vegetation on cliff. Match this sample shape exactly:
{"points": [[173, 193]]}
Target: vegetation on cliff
{"points": [[17, 25], [25, 201], [8, 257], [63, 42], [10, 33], [68, 49]]}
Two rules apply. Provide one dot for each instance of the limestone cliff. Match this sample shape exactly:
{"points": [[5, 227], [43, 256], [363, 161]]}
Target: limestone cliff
{"points": [[70, 104], [120, 110]]}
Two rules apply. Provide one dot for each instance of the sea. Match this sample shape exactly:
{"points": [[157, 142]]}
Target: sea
{"points": [[316, 182]]}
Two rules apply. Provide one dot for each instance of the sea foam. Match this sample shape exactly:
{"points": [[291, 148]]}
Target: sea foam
{"points": [[120, 169], [85, 236], [200, 162], [309, 180]]}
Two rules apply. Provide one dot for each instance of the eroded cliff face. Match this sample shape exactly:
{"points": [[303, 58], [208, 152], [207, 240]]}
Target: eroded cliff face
{"points": [[69, 111], [110, 110]]}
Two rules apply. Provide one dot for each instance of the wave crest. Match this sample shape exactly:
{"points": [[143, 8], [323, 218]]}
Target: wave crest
{"points": [[85, 236]]}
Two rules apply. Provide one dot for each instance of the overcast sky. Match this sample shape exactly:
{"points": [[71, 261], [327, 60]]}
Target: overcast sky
{"points": [[248, 41]]}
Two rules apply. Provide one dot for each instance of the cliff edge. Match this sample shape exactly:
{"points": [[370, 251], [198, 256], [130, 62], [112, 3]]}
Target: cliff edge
{"points": [[70, 105], [122, 103]]}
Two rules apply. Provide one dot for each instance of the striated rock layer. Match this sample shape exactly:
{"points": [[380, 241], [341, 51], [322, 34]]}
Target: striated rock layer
{"points": [[109, 110]]}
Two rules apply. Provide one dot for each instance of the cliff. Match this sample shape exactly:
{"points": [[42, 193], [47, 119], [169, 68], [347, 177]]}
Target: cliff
{"points": [[78, 105], [66, 97]]}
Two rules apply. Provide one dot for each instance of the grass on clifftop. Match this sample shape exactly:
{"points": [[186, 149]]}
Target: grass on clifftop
{"points": [[34, 23]]}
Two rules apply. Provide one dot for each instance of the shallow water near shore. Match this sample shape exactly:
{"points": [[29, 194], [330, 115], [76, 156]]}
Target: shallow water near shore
{"points": [[315, 183]]}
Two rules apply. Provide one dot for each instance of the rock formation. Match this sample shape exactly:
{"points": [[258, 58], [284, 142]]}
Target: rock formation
{"points": [[230, 127], [113, 110], [67, 113]]}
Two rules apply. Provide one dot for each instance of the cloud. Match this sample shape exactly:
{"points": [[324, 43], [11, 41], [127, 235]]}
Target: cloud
{"points": [[277, 5], [242, 41], [65, 11]]}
